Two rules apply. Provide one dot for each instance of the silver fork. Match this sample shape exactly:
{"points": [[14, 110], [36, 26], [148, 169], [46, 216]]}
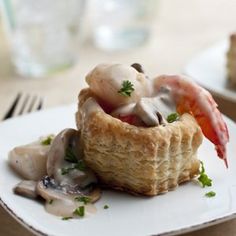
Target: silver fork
{"points": [[22, 104]]}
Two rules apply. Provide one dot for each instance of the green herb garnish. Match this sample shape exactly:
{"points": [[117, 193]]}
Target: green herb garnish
{"points": [[70, 156], [126, 89], [203, 178], [83, 199], [78, 166], [106, 207], [51, 201], [47, 141], [66, 218], [79, 211], [172, 117], [210, 194], [65, 171]]}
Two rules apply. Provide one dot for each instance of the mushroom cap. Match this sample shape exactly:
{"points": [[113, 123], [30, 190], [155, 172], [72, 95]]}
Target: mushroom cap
{"points": [[56, 155], [50, 191]]}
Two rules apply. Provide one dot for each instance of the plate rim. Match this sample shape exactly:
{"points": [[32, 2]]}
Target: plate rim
{"points": [[188, 70], [192, 228], [27, 226]]}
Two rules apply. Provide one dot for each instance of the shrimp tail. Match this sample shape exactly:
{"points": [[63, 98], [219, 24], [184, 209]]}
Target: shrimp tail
{"points": [[221, 147], [213, 126], [221, 152], [191, 98]]}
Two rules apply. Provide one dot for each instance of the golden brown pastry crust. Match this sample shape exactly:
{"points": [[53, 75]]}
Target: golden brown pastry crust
{"points": [[140, 160], [231, 59]]}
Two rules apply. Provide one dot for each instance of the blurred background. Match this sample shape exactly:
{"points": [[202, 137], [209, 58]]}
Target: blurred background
{"points": [[48, 46]]}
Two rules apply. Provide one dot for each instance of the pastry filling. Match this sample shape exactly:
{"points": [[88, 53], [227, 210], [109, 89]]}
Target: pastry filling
{"points": [[132, 98]]}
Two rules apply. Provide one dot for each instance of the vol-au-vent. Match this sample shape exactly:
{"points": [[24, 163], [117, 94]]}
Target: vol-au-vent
{"points": [[130, 138]]}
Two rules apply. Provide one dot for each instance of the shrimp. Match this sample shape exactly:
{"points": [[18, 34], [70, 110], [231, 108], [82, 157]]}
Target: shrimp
{"points": [[191, 98], [105, 80]]}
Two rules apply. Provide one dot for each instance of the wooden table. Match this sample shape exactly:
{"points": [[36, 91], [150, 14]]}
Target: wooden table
{"points": [[181, 29]]}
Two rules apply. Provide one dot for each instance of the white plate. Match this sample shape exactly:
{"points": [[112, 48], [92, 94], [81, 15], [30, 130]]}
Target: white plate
{"points": [[208, 69], [182, 210]]}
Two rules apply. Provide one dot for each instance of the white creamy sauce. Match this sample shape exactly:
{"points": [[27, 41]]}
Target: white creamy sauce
{"points": [[76, 177], [124, 110], [152, 110], [66, 208]]}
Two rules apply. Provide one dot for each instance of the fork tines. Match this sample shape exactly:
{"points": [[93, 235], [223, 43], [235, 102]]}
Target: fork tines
{"points": [[22, 104]]}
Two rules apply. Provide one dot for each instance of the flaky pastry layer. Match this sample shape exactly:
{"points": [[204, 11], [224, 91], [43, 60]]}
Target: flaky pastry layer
{"points": [[141, 160]]}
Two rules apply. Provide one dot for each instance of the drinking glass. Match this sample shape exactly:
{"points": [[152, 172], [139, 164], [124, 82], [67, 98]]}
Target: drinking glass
{"points": [[122, 24], [44, 35]]}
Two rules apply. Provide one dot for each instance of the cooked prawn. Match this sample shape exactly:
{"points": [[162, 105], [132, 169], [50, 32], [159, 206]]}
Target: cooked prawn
{"points": [[191, 98]]}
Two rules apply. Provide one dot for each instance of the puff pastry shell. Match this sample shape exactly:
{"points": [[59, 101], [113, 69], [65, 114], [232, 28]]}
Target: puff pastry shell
{"points": [[140, 160]]}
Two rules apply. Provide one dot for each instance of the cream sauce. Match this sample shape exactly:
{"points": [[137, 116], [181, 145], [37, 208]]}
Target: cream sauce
{"points": [[152, 110], [61, 203], [66, 207]]}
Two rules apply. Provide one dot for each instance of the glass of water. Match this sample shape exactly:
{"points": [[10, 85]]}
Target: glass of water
{"points": [[122, 24], [44, 34]]}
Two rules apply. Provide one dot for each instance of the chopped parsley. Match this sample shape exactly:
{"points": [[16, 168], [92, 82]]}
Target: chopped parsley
{"points": [[51, 201], [66, 170], [172, 117], [70, 156], [126, 89], [67, 218], [210, 194], [47, 141], [106, 207], [76, 163], [203, 178], [79, 211], [78, 166], [83, 199]]}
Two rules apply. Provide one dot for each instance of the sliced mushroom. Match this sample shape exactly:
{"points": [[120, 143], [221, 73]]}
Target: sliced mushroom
{"points": [[154, 111], [26, 188], [60, 203], [138, 67], [48, 190], [29, 161], [147, 109], [65, 140], [68, 177], [65, 163]]}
